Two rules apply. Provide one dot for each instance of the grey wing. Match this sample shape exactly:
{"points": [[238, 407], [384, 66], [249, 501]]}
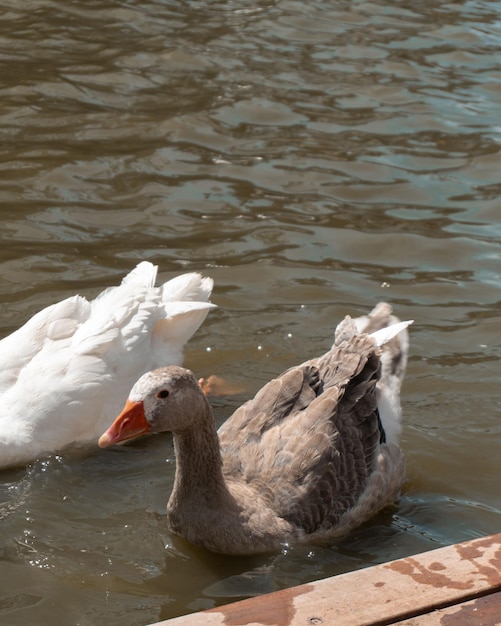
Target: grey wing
{"points": [[277, 400], [312, 437], [330, 468]]}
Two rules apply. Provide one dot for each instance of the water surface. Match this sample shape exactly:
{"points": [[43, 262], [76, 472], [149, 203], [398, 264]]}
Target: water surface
{"points": [[314, 159]]}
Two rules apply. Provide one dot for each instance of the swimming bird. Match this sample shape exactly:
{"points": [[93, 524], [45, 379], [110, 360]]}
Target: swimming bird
{"points": [[66, 373], [313, 455]]}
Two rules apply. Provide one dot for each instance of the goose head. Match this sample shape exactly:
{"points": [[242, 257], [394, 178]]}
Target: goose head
{"points": [[165, 399]]}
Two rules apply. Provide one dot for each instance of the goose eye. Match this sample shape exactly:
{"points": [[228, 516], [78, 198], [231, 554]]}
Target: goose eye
{"points": [[163, 393]]}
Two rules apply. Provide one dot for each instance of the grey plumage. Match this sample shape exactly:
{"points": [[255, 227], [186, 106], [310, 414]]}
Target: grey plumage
{"points": [[306, 460]]}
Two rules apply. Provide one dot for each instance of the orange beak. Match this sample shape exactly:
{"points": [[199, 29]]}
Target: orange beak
{"points": [[129, 424]]}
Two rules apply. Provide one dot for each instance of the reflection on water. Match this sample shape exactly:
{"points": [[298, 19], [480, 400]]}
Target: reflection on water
{"points": [[314, 159]]}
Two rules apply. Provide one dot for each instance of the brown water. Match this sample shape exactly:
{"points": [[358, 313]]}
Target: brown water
{"points": [[313, 158]]}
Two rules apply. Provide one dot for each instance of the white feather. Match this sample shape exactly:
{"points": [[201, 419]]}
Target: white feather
{"points": [[67, 372], [384, 335]]}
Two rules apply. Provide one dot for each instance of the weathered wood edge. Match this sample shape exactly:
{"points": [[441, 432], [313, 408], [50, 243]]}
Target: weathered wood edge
{"points": [[382, 594]]}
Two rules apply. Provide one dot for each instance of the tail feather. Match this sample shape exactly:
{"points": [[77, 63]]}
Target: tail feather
{"points": [[143, 275], [171, 333], [390, 334], [192, 287], [384, 335]]}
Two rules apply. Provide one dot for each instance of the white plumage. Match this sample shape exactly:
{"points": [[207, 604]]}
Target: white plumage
{"points": [[66, 373]]}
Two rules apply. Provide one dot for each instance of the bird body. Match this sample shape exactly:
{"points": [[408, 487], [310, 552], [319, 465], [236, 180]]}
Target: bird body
{"points": [[306, 460], [67, 371]]}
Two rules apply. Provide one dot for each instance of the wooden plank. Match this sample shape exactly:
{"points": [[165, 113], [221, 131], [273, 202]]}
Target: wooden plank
{"points": [[383, 594], [484, 611]]}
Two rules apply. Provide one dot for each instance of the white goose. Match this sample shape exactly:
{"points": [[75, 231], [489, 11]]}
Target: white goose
{"points": [[314, 454], [65, 374]]}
